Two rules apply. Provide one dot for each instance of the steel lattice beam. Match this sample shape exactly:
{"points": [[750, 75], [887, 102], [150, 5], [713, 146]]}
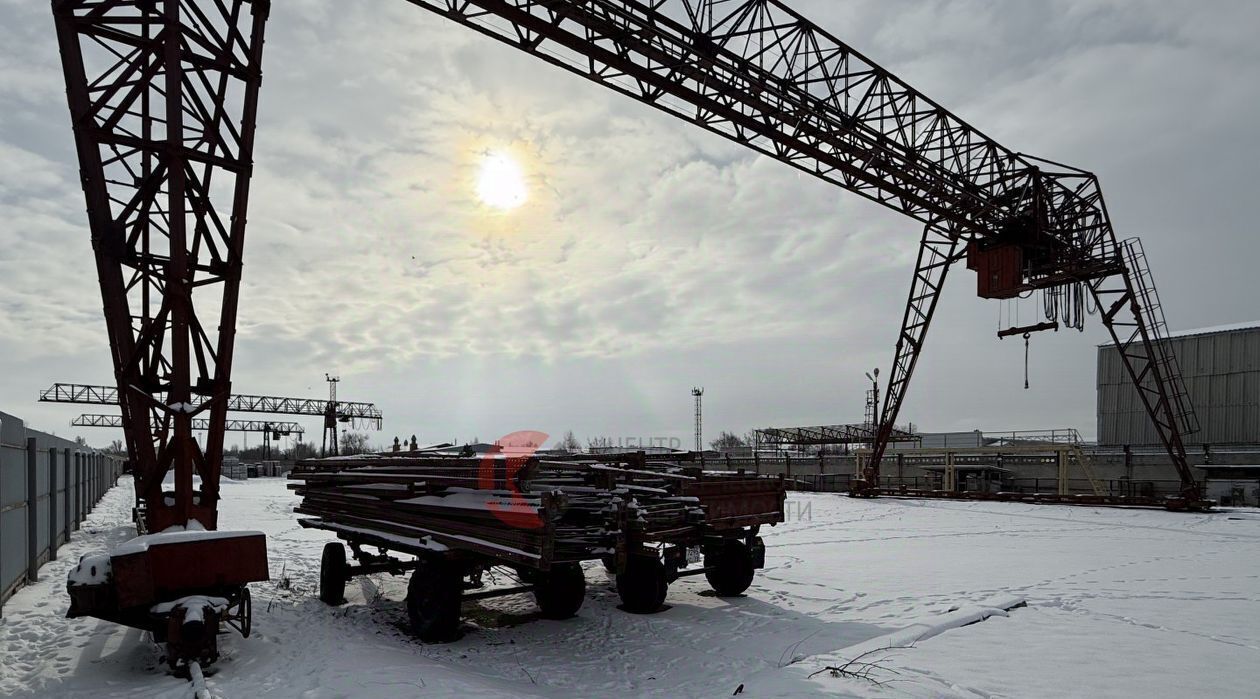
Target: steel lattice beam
{"points": [[163, 96], [360, 414], [278, 428], [758, 73], [825, 434]]}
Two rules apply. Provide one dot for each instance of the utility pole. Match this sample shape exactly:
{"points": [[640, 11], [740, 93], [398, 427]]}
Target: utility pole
{"points": [[330, 416], [698, 393]]}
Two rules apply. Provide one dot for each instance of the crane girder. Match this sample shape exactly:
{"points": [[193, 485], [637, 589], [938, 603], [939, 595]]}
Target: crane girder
{"points": [[357, 413], [760, 74], [277, 428]]}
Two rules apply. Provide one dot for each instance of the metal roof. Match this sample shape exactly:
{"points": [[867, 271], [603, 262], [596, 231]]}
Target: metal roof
{"points": [[1210, 330]]}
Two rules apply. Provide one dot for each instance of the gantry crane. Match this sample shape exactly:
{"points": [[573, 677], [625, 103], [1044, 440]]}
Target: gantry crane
{"points": [[333, 411], [163, 96], [760, 74]]}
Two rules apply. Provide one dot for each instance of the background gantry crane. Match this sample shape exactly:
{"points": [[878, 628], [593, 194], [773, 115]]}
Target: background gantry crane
{"points": [[333, 411]]}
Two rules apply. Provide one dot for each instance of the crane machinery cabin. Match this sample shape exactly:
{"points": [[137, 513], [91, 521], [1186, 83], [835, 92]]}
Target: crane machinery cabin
{"points": [[163, 97]]}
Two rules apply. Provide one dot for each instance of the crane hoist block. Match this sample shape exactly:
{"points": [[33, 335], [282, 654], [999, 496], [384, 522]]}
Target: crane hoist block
{"points": [[999, 270]]}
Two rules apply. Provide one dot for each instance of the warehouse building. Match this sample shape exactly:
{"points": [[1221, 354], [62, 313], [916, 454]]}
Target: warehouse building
{"points": [[1221, 369]]}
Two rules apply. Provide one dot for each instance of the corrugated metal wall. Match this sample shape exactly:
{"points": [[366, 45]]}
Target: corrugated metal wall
{"points": [[1222, 375]]}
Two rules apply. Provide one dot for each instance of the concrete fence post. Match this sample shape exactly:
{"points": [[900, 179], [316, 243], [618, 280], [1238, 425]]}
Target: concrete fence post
{"points": [[1061, 464], [65, 508], [52, 504], [32, 510], [78, 489]]}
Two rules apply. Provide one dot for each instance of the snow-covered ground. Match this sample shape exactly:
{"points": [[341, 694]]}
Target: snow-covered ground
{"points": [[1125, 603]]}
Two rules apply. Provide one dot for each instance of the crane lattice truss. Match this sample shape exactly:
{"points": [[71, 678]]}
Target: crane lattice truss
{"points": [[163, 97], [825, 435], [358, 414], [273, 428]]}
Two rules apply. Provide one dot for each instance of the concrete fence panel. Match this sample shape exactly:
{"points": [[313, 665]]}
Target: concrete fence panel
{"points": [[47, 487]]}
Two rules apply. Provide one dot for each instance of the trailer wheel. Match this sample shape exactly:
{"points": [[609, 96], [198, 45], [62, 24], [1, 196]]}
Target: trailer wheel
{"points": [[729, 568], [433, 599], [561, 591], [643, 585], [333, 574], [240, 615]]}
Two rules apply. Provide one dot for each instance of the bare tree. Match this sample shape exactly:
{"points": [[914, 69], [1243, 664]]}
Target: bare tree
{"points": [[750, 438], [569, 443], [727, 441], [303, 450], [354, 443]]}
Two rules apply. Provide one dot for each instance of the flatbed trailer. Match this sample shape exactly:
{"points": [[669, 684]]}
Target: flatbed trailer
{"points": [[650, 522]]}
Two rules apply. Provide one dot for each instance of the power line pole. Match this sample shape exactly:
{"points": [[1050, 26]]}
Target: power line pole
{"points": [[698, 393]]}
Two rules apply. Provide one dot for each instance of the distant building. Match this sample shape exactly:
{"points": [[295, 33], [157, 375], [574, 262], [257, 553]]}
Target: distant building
{"points": [[1221, 369], [1232, 484], [940, 440]]}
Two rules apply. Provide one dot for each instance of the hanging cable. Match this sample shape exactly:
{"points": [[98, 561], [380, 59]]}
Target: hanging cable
{"points": [[1027, 337], [1067, 304]]}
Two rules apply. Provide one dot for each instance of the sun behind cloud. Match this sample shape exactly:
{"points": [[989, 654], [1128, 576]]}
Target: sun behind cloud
{"points": [[500, 182]]}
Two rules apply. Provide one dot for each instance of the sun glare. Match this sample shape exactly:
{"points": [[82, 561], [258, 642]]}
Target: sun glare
{"points": [[501, 184]]}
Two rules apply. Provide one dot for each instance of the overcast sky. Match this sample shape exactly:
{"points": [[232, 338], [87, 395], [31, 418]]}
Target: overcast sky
{"points": [[650, 256]]}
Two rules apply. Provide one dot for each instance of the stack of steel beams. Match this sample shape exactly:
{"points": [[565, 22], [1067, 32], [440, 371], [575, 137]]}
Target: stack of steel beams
{"points": [[528, 510]]}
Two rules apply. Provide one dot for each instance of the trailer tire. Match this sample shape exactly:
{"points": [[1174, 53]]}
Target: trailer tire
{"points": [[333, 574], [561, 591], [729, 568], [643, 585], [433, 599]]}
